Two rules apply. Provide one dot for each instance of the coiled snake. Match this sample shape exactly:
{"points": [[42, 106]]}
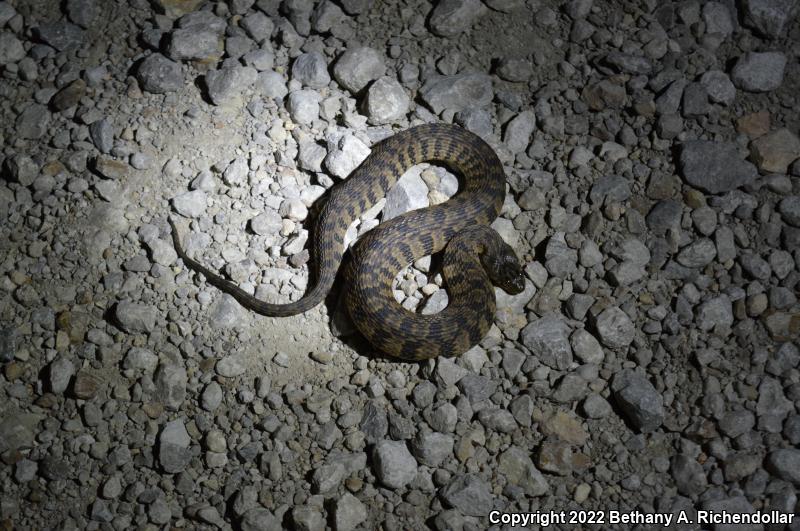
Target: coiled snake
{"points": [[475, 255]]}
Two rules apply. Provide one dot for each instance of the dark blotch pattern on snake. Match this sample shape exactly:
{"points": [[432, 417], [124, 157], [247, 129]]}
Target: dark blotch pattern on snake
{"points": [[474, 257]]}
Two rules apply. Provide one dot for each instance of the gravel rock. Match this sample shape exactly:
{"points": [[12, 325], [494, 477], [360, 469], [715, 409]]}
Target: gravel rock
{"points": [[386, 101], [519, 130], [699, 253], [394, 465], [160, 75], [190, 204], [785, 463], [226, 85], [768, 17], [170, 380], [357, 67], [311, 70], [11, 49], [518, 468], [715, 312], [548, 339], [789, 207], [639, 400], [688, 475], [195, 43], [615, 328], [61, 371], [62, 35], [348, 512], [452, 17], [432, 448], [714, 167], [775, 151], [102, 133], [718, 86], [303, 105], [173, 447], [135, 318], [32, 123], [457, 92], [759, 71], [469, 494]]}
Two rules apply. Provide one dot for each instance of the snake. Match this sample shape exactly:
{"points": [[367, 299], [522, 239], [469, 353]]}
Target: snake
{"points": [[475, 256]]}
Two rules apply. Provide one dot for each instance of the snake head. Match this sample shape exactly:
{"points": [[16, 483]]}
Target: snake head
{"points": [[506, 272]]}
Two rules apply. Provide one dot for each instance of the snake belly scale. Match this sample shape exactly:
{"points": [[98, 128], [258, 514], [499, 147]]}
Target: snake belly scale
{"points": [[475, 256]]}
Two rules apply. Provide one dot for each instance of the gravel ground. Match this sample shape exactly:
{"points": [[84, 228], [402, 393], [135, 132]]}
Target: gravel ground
{"points": [[652, 364]]}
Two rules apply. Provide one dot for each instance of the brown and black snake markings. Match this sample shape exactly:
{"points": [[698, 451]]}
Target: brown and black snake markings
{"points": [[475, 256]]}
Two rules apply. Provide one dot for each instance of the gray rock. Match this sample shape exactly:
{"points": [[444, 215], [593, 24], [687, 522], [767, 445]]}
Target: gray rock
{"points": [[171, 380], [789, 207], [469, 494], [409, 193], [596, 407], [173, 447], [586, 347], [236, 172], [496, 419], [18, 429], [62, 35], [714, 312], [160, 75], [348, 153], [394, 465], [718, 19], [638, 399], [548, 339], [303, 105], [735, 423], [194, 43], [735, 505], [386, 101], [226, 85], [615, 328], [357, 67], [327, 477], [272, 85], [719, 86], [32, 123], [697, 254], [695, 101], [139, 358], [612, 187], [307, 518], [669, 126], [61, 372], [348, 512], [11, 49], [211, 397], [226, 313], [451, 17], [755, 266], [715, 167], [135, 318], [266, 223], [628, 63], [25, 470], [768, 17], [688, 475], [232, 365], [477, 387], [665, 215], [102, 133], [518, 468], [327, 17], [458, 92], [432, 448], [785, 463], [518, 132], [191, 204], [311, 70], [759, 71], [560, 260], [8, 344], [22, 169], [258, 26]]}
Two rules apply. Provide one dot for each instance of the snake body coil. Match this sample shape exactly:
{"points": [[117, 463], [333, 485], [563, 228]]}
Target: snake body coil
{"points": [[475, 254]]}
